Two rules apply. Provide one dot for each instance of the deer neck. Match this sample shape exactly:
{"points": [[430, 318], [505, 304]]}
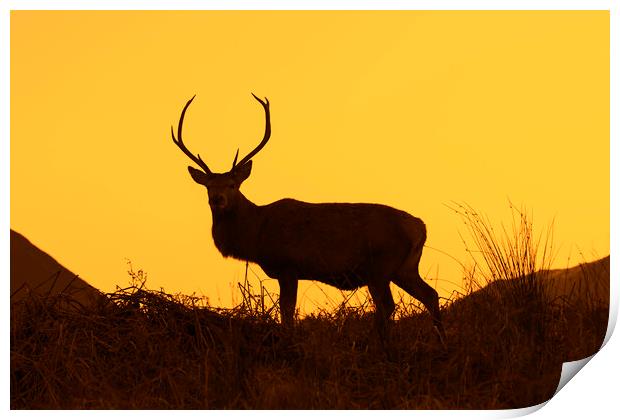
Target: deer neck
{"points": [[235, 232]]}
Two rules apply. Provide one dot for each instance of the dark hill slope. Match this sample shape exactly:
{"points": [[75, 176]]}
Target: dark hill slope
{"points": [[34, 271]]}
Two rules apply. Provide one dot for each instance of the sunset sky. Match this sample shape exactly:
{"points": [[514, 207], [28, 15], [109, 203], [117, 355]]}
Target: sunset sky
{"points": [[415, 110]]}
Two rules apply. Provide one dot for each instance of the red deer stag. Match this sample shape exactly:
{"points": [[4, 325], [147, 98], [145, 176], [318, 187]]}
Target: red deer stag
{"points": [[346, 245]]}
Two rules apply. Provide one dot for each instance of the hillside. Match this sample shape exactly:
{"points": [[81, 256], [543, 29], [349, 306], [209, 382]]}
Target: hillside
{"points": [[584, 284], [151, 350], [35, 272]]}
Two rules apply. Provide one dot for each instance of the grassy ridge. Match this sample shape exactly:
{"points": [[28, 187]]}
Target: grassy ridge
{"points": [[147, 349], [153, 350]]}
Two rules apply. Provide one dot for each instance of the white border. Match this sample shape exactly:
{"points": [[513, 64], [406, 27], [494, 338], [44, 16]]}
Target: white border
{"points": [[592, 394]]}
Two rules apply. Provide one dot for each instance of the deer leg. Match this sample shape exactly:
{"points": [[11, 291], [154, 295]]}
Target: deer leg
{"points": [[384, 305], [408, 278], [413, 284], [288, 299]]}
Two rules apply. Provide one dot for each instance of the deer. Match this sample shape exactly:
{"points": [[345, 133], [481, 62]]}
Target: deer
{"points": [[345, 245]]}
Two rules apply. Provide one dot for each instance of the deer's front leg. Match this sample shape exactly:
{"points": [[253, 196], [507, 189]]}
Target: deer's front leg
{"points": [[288, 299]]}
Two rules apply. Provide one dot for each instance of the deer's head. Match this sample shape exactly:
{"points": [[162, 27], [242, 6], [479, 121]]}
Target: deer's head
{"points": [[223, 188]]}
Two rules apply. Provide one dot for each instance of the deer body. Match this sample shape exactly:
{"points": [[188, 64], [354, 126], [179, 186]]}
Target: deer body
{"points": [[346, 245], [341, 244]]}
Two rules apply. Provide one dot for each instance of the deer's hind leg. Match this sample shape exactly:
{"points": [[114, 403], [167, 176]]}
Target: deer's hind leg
{"points": [[408, 278]]}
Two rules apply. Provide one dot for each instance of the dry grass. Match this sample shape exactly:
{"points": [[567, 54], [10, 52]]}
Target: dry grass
{"points": [[153, 350]]}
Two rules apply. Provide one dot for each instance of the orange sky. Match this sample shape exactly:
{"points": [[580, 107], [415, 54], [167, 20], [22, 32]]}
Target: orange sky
{"points": [[410, 109]]}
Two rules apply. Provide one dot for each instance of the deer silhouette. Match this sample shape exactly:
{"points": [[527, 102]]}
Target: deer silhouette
{"points": [[346, 245]]}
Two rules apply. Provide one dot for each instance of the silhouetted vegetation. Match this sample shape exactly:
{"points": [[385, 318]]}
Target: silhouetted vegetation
{"points": [[152, 350]]}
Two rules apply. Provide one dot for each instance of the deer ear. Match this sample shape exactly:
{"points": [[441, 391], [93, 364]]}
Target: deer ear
{"points": [[198, 176], [242, 173]]}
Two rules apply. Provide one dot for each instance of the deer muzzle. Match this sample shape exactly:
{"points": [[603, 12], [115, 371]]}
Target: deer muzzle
{"points": [[218, 201]]}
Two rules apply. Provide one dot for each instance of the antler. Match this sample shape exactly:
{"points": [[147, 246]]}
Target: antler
{"points": [[262, 144], [181, 145]]}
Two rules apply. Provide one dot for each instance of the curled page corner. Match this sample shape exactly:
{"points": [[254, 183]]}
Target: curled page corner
{"points": [[520, 412], [613, 318], [570, 369]]}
